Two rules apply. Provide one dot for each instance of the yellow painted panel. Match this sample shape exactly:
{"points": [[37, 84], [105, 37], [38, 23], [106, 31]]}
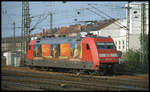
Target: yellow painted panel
{"points": [[46, 51], [65, 50]]}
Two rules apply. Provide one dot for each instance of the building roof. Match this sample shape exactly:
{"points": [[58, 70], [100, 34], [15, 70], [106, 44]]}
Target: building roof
{"points": [[77, 28], [67, 30], [98, 26]]}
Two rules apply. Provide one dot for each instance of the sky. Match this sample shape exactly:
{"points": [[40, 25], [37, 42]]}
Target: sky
{"points": [[64, 14]]}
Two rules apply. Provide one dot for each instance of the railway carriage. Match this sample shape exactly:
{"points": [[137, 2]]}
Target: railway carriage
{"points": [[88, 53]]}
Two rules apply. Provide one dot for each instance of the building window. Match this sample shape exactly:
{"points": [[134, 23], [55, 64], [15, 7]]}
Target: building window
{"points": [[123, 47], [135, 12], [119, 42], [119, 47], [123, 42]]}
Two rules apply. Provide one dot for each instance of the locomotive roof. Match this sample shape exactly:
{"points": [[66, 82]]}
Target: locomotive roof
{"points": [[58, 40]]}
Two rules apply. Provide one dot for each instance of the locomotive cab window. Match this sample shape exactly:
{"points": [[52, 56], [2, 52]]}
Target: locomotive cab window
{"points": [[87, 47], [105, 45], [29, 47]]}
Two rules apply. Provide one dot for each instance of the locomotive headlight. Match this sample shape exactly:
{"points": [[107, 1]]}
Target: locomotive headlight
{"points": [[113, 55], [102, 55]]}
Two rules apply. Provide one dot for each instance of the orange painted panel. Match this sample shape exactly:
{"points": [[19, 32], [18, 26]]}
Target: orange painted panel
{"points": [[46, 50], [65, 50]]}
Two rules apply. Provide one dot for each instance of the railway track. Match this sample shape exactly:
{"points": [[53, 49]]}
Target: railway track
{"points": [[90, 78], [7, 85], [65, 81]]}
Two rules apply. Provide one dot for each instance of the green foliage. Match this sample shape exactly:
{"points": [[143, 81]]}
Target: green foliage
{"points": [[145, 47], [133, 62], [137, 61]]}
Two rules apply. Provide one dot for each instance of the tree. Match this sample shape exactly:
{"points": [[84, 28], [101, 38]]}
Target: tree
{"points": [[132, 60], [144, 49], [133, 63]]}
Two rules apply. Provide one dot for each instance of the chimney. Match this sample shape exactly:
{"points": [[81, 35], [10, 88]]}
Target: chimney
{"points": [[41, 34], [44, 33]]}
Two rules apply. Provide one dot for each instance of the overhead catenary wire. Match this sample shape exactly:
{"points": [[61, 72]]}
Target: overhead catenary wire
{"points": [[66, 14], [109, 17], [117, 7], [39, 21], [120, 7]]}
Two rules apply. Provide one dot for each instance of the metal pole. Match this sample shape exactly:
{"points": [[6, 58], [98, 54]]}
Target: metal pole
{"points": [[51, 20], [142, 33], [128, 26], [22, 32], [25, 26], [14, 36], [14, 29]]}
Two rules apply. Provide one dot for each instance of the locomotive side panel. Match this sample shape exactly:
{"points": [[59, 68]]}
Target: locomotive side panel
{"points": [[76, 52], [86, 53], [46, 50], [61, 64], [90, 53], [63, 55], [67, 51], [30, 52]]}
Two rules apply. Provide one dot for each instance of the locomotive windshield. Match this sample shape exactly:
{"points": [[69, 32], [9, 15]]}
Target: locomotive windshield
{"points": [[105, 45]]}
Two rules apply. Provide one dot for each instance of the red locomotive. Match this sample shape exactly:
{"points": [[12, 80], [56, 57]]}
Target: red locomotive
{"points": [[88, 53]]}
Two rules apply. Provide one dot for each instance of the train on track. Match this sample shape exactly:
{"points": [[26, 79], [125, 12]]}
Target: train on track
{"points": [[96, 53]]}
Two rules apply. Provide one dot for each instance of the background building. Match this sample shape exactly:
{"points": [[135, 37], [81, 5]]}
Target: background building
{"points": [[116, 29]]}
